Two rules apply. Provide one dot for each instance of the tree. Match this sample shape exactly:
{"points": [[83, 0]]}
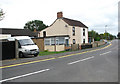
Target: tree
{"points": [[118, 35], [36, 24], [102, 36], [94, 35], [97, 37], [1, 14]]}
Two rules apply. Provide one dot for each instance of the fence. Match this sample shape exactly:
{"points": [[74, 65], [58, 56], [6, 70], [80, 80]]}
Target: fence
{"points": [[8, 50], [86, 46], [78, 47], [39, 42]]}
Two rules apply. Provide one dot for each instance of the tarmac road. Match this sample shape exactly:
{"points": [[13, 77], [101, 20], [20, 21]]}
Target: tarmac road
{"points": [[95, 66]]}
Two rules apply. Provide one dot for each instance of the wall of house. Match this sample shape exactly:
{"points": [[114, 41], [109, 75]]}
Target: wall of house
{"points": [[60, 47], [58, 28], [78, 35], [86, 35], [52, 47], [49, 47], [39, 42]]}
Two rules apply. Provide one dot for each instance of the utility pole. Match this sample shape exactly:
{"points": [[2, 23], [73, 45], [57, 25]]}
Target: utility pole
{"points": [[105, 32]]}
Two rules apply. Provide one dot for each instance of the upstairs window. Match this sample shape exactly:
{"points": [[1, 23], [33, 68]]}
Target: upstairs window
{"points": [[73, 30], [83, 32]]}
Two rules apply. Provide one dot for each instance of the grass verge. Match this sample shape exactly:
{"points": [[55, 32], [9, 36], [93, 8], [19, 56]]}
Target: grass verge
{"points": [[50, 53]]}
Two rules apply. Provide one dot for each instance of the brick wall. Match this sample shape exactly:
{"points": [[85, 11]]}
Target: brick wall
{"points": [[39, 42]]}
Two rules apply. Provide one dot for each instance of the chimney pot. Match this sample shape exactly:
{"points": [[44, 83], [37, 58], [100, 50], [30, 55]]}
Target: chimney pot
{"points": [[59, 15]]}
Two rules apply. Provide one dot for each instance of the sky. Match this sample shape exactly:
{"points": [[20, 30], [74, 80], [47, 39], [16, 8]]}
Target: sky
{"points": [[93, 13]]}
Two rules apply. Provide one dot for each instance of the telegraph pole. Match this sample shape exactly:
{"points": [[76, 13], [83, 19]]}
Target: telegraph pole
{"points": [[105, 32]]}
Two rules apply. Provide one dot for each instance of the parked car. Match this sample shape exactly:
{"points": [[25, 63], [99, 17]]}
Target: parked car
{"points": [[26, 46], [105, 41]]}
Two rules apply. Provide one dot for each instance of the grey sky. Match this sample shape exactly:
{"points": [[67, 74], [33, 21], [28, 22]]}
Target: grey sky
{"points": [[93, 13]]}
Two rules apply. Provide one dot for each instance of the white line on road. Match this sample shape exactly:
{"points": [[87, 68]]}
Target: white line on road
{"points": [[80, 60], [105, 53], [24, 75]]}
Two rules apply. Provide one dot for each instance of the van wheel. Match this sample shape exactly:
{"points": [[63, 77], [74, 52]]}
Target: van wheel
{"points": [[21, 55], [35, 55]]}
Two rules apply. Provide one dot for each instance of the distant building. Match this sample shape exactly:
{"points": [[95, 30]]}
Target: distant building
{"points": [[17, 32]]}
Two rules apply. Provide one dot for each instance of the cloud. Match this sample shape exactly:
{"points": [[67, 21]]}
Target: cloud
{"points": [[93, 13]]}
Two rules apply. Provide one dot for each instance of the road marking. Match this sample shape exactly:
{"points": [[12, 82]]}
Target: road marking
{"points": [[81, 60], [14, 65], [24, 75], [105, 53]]}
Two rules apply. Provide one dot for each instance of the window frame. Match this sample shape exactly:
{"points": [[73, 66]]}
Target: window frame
{"points": [[74, 41], [73, 31], [83, 31], [83, 41]]}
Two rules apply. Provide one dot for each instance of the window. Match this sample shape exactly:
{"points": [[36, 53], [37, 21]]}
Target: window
{"points": [[84, 41], [66, 26], [44, 33], [83, 32], [57, 41], [52, 41], [47, 41], [25, 42], [74, 41], [61, 41], [73, 30]]}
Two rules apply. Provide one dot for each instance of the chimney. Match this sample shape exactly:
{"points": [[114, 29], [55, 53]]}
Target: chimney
{"points": [[35, 30], [59, 15]]}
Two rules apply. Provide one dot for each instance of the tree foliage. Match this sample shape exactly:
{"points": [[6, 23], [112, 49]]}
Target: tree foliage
{"points": [[97, 37], [36, 24], [1, 14], [94, 34]]}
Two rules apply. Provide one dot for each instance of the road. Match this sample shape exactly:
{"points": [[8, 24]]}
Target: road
{"points": [[96, 66]]}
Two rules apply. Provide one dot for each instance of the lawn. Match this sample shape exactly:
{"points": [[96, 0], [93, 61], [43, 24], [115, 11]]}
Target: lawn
{"points": [[50, 53]]}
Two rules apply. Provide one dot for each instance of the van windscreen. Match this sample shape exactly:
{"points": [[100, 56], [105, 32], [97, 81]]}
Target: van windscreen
{"points": [[25, 42]]}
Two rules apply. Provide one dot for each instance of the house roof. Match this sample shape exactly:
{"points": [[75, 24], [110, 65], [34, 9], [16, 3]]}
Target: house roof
{"points": [[72, 22], [17, 32]]}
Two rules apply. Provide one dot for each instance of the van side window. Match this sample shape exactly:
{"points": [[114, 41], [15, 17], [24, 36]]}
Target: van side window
{"points": [[19, 46]]}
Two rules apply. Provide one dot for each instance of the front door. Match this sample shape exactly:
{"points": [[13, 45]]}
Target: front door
{"points": [[66, 42]]}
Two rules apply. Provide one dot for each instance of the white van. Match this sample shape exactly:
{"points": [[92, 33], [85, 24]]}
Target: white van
{"points": [[26, 46]]}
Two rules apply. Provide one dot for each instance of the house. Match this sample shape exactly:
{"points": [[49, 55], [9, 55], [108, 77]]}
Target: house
{"points": [[64, 31], [17, 32]]}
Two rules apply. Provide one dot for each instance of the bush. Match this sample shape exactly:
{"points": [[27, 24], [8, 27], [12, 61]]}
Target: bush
{"points": [[97, 39], [45, 50]]}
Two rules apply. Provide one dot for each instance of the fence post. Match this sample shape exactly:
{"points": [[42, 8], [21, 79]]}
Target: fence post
{"points": [[16, 49]]}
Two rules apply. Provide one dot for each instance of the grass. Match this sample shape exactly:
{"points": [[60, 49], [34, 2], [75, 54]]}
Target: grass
{"points": [[42, 53]]}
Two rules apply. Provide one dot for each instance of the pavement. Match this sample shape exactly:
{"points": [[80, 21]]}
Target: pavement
{"points": [[90, 65]]}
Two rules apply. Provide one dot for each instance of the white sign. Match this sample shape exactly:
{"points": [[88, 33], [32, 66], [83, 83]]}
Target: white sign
{"points": [[5, 36]]}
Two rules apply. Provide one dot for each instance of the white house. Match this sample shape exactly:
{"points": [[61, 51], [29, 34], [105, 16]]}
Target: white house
{"points": [[64, 31]]}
